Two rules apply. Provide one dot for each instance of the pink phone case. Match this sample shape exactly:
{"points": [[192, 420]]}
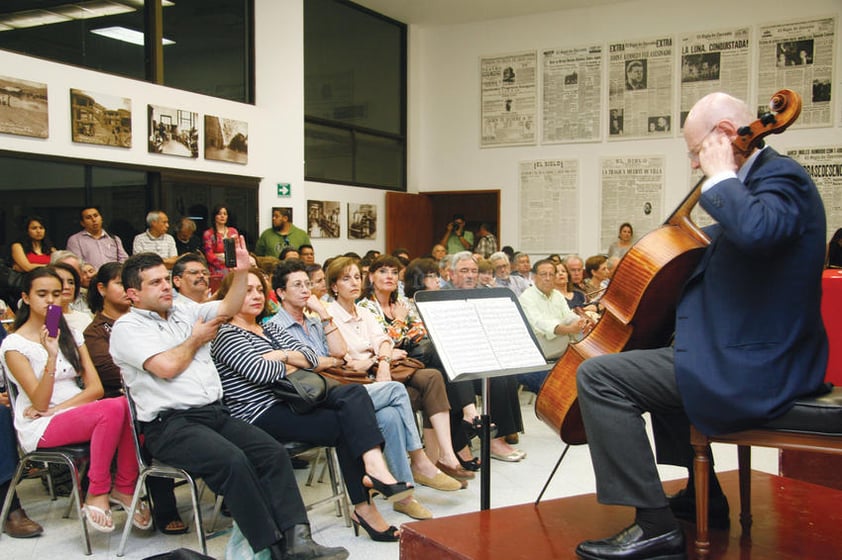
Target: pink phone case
{"points": [[53, 318]]}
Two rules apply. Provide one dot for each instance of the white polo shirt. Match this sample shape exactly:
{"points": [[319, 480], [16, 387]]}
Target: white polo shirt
{"points": [[140, 334]]}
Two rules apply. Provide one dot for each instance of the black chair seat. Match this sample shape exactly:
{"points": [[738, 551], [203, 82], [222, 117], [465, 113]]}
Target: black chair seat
{"points": [[820, 414]]}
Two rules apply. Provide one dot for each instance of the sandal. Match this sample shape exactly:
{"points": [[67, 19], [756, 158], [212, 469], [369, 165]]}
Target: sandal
{"points": [[174, 527], [142, 518], [87, 510]]}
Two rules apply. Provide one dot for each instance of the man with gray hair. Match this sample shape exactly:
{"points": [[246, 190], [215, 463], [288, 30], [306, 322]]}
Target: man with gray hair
{"points": [[576, 269], [503, 274], [463, 271], [156, 239]]}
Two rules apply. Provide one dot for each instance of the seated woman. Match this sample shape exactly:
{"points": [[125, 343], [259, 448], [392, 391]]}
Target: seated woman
{"points": [[70, 286], [34, 248], [596, 275], [250, 357], [370, 349], [107, 298], [303, 315], [404, 326], [51, 410]]}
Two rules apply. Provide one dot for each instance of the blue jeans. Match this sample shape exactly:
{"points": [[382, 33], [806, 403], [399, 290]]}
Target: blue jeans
{"points": [[397, 424]]}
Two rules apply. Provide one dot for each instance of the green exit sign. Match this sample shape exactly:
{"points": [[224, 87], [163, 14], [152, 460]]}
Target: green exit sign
{"points": [[284, 190]]}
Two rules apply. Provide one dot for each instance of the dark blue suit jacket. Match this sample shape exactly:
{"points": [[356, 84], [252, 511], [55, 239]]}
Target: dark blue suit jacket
{"points": [[749, 334]]}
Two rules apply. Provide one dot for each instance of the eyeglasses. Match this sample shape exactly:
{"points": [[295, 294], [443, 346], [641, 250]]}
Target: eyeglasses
{"points": [[300, 285], [197, 272], [694, 153]]}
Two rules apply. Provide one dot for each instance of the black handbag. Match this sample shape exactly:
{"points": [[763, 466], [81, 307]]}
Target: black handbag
{"points": [[303, 390]]}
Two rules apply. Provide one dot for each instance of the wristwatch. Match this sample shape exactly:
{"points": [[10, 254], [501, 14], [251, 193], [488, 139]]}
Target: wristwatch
{"points": [[386, 359]]}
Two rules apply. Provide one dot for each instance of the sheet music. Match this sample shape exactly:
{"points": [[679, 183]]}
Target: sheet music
{"points": [[479, 335]]}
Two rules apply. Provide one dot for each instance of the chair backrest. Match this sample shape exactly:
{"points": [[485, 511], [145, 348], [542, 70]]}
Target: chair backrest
{"points": [[143, 457]]}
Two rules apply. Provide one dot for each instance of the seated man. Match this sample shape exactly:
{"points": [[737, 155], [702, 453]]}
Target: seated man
{"points": [[503, 273], [190, 276], [162, 349]]}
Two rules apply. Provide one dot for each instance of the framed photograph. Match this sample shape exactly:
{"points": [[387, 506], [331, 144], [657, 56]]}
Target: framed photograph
{"points": [[97, 118], [362, 221], [226, 139], [23, 108], [173, 131], [322, 219]]}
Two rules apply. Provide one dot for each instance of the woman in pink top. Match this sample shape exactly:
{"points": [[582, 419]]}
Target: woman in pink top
{"points": [[213, 240]]}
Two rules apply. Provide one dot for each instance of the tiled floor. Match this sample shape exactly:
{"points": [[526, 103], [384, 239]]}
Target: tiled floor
{"points": [[511, 483]]}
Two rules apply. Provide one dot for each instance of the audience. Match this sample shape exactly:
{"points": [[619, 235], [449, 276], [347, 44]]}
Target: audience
{"points": [[156, 239], [190, 276], [251, 357], [93, 244], [186, 240], [46, 371], [213, 240], [503, 276], [177, 390], [32, 249]]}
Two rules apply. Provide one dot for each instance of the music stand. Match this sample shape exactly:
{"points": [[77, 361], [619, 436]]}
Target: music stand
{"points": [[480, 334]]}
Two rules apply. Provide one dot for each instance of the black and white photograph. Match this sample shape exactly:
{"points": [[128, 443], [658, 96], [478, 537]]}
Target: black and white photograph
{"points": [[226, 139], [323, 218], [795, 53], [23, 108], [636, 74], [700, 67], [173, 131], [97, 118], [362, 221]]}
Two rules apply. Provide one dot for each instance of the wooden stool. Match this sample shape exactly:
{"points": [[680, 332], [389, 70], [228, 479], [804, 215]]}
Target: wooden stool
{"points": [[813, 424]]}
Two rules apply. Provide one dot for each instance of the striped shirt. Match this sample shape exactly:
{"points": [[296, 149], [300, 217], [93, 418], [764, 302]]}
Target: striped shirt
{"points": [[245, 374]]}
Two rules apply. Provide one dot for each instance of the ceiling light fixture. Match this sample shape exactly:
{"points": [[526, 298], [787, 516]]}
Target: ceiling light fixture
{"points": [[126, 35]]}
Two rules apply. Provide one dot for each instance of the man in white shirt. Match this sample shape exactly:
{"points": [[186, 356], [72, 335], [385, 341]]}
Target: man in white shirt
{"points": [[156, 239], [162, 349]]}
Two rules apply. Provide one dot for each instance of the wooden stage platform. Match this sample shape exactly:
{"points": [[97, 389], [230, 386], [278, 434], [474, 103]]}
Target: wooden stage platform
{"points": [[793, 520]]}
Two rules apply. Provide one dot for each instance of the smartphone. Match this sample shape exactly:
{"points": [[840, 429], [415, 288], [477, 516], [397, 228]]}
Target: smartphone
{"points": [[53, 319], [230, 252]]}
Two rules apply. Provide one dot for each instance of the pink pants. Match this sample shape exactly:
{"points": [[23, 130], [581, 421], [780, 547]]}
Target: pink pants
{"points": [[106, 425]]}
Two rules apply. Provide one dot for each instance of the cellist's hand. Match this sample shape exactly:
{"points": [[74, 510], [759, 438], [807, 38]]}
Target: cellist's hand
{"points": [[717, 154]]}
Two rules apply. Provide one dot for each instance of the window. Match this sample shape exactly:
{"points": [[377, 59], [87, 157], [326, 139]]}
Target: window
{"points": [[207, 44], [354, 96], [56, 190]]}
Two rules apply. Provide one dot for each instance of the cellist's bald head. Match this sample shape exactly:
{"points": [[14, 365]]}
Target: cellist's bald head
{"points": [[713, 108]]}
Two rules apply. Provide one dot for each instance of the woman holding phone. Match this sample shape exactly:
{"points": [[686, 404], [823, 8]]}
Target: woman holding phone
{"points": [[52, 410]]}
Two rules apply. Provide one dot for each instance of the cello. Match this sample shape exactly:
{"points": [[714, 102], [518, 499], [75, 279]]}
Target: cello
{"points": [[641, 298]]}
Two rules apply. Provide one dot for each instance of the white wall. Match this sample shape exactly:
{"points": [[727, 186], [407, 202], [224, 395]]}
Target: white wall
{"points": [[445, 112]]}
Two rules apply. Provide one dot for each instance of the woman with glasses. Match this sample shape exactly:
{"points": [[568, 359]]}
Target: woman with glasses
{"points": [[251, 356], [304, 317], [370, 349]]}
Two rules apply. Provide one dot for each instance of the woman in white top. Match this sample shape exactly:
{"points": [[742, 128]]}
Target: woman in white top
{"points": [[51, 410]]}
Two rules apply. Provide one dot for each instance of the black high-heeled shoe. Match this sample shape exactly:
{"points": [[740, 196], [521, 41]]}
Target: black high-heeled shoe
{"points": [[380, 536], [472, 465], [392, 492], [474, 429]]}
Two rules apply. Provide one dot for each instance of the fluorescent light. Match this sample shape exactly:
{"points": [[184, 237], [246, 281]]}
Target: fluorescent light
{"points": [[33, 18], [126, 35], [92, 9]]}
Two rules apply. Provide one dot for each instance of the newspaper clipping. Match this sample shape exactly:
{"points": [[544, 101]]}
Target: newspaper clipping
{"points": [[572, 104], [799, 56], [714, 61], [632, 191], [549, 206], [509, 99], [824, 164], [640, 95]]}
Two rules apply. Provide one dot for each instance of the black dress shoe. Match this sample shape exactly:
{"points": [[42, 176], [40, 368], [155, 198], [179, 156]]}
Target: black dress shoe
{"points": [[298, 544], [629, 544], [683, 506]]}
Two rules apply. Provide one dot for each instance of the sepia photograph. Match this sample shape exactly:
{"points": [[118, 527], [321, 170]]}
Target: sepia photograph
{"points": [[226, 139], [322, 218], [173, 131], [362, 221], [97, 118], [23, 108]]}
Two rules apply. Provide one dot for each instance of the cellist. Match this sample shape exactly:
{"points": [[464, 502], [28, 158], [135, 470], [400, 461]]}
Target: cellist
{"points": [[739, 357]]}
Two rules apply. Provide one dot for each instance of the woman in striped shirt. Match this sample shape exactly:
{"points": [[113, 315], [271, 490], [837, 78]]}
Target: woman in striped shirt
{"points": [[250, 357]]}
